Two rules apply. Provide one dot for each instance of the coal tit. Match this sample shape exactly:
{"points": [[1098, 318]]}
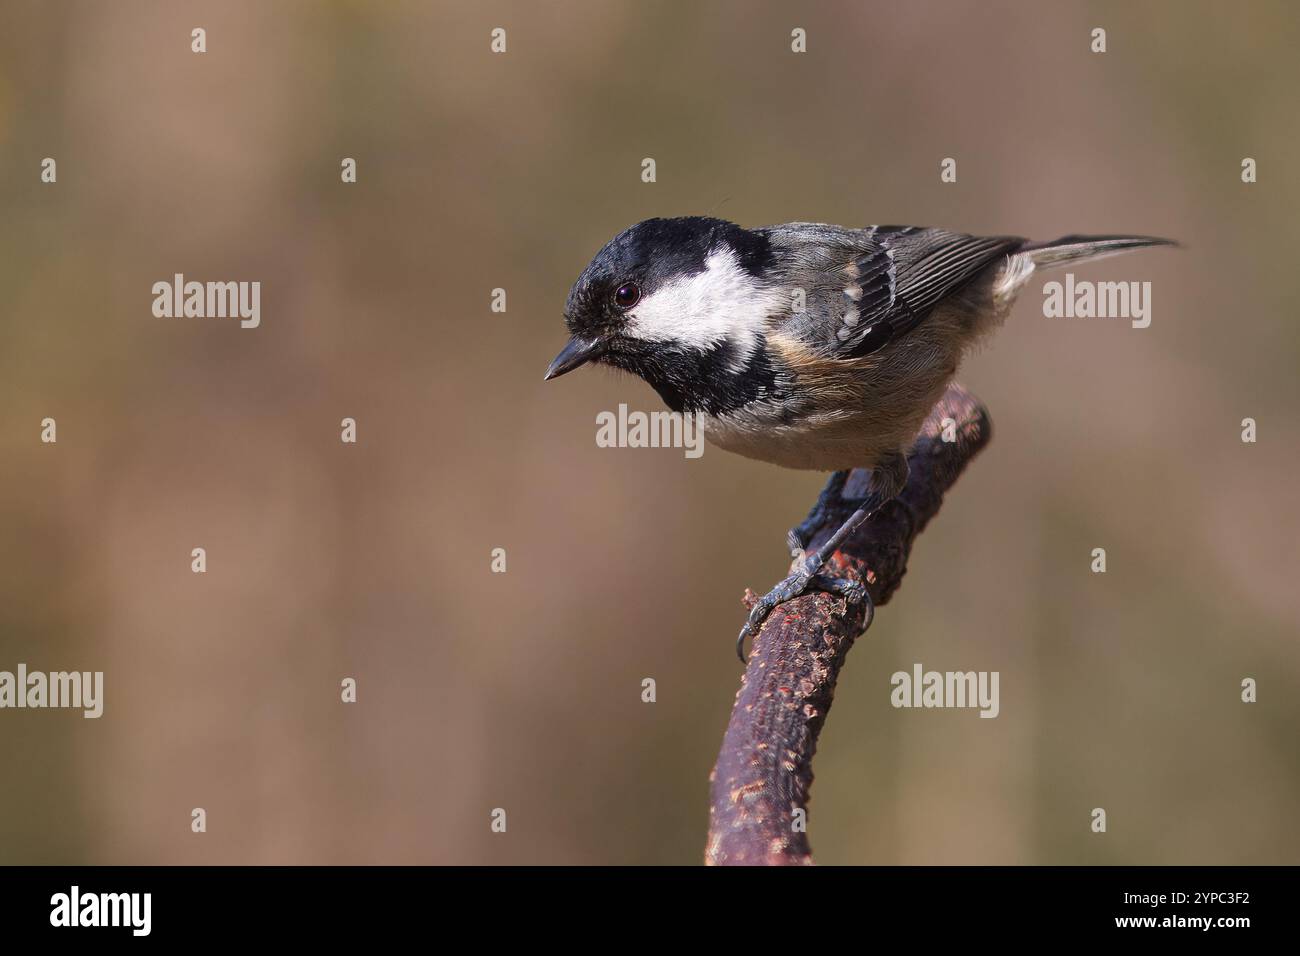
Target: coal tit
{"points": [[805, 345]]}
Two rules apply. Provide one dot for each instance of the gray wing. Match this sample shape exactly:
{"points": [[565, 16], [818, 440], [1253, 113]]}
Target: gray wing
{"points": [[893, 278]]}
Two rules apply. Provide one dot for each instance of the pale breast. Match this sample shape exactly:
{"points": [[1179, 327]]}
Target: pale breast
{"points": [[818, 442]]}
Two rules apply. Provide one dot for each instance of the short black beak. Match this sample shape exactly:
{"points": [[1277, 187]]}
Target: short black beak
{"points": [[578, 352]]}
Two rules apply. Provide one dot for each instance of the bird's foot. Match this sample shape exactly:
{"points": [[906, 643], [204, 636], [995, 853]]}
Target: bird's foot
{"points": [[805, 577], [887, 479]]}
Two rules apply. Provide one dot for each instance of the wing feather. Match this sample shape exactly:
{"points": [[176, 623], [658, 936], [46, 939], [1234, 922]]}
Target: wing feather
{"points": [[898, 282]]}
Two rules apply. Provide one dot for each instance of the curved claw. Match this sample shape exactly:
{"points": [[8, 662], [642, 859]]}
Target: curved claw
{"points": [[762, 608], [792, 586]]}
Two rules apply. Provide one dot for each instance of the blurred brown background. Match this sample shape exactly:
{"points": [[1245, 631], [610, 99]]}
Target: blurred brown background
{"points": [[522, 690]]}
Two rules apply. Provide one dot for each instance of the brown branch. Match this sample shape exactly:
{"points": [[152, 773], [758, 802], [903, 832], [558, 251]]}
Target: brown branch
{"points": [[764, 770]]}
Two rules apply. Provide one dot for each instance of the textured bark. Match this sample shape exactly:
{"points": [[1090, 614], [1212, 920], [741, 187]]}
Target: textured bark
{"points": [[764, 771]]}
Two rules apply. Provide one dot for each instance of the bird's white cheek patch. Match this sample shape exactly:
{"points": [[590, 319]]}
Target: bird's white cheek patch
{"points": [[721, 303]]}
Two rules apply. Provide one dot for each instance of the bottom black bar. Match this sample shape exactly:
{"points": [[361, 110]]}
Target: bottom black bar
{"points": [[235, 904]]}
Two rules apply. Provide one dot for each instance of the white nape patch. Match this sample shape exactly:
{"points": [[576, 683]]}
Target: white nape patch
{"points": [[721, 303]]}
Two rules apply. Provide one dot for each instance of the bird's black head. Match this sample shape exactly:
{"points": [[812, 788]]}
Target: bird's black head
{"points": [[666, 294]]}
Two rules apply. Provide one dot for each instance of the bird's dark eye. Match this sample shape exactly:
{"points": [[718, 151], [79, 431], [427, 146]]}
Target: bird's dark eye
{"points": [[627, 295]]}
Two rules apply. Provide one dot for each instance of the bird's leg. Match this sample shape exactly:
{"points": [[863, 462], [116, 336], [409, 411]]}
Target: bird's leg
{"points": [[887, 480], [801, 534]]}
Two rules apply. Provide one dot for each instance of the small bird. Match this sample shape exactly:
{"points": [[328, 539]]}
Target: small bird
{"points": [[805, 345]]}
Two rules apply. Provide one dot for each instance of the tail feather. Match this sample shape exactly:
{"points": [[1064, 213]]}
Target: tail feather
{"points": [[1083, 248]]}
